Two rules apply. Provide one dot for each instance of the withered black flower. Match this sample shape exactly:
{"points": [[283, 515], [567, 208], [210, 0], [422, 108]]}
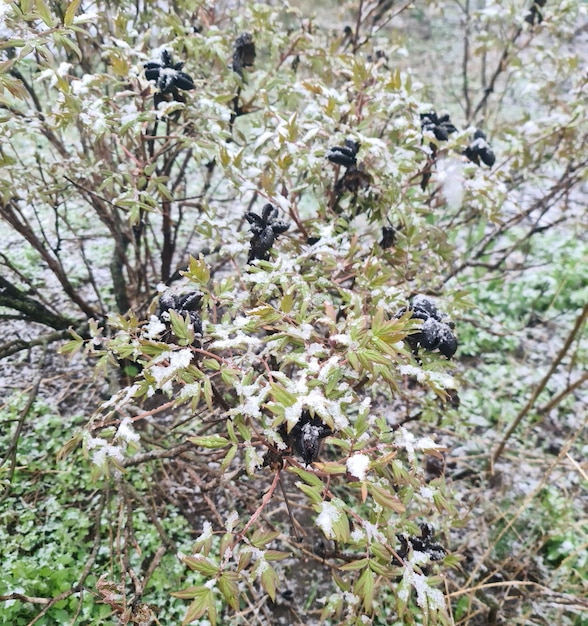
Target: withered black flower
{"points": [[436, 332], [168, 75], [423, 543], [181, 303], [423, 308], [438, 335], [265, 229], [354, 179], [480, 150], [535, 12], [307, 435], [440, 126], [388, 237], [355, 176], [345, 155], [243, 53]]}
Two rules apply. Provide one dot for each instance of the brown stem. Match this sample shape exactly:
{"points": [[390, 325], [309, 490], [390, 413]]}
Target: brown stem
{"points": [[31, 309], [266, 498], [500, 68], [539, 388], [561, 187], [153, 455], [562, 394], [167, 247], [466, 56], [13, 447], [357, 27], [17, 345], [11, 213]]}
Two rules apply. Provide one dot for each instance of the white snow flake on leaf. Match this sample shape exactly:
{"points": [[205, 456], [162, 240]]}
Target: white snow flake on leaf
{"points": [[357, 465], [154, 327], [328, 516], [206, 532], [103, 450], [427, 597], [125, 431], [231, 521], [177, 360], [450, 173]]}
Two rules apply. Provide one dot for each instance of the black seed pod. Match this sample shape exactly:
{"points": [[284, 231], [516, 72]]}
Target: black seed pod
{"points": [[306, 436], [423, 308], [182, 304], [423, 543], [430, 334], [168, 75], [243, 53], [480, 150], [345, 155], [265, 230], [388, 237], [436, 332]]}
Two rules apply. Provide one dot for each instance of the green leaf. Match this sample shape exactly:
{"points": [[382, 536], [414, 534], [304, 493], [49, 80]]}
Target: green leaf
{"points": [[201, 564], [208, 393], [72, 347], [186, 594], [203, 602], [276, 555], [307, 477], [261, 538], [312, 492], [231, 431], [70, 12], [68, 43], [210, 441], [266, 313], [181, 327], [381, 552], [269, 579], [341, 527], [198, 271], [331, 467], [281, 395], [386, 499], [354, 565], [364, 588], [287, 302], [69, 447], [45, 13], [229, 456], [228, 585], [379, 568], [354, 361]]}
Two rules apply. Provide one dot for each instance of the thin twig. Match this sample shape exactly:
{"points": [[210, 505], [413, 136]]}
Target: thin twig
{"points": [[266, 498], [526, 502], [355, 46], [13, 447], [562, 394], [465, 61], [539, 388]]}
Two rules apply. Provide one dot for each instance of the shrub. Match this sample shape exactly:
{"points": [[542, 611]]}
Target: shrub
{"points": [[237, 215]]}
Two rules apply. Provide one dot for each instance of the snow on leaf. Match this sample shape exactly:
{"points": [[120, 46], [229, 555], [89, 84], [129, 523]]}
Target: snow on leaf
{"points": [[327, 517], [357, 465]]}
